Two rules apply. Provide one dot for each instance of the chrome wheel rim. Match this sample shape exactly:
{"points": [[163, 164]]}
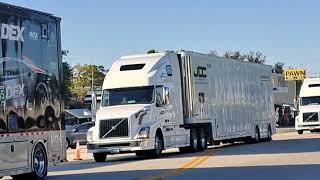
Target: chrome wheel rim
{"points": [[39, 162], [203, 142], [195, 142], [158, 145], [257, 135]]}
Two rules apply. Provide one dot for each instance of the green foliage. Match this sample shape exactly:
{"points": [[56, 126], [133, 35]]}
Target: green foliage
{"points": [[234, 55], [86, 75], [67, 82], [64, 52], [67, 79], [256, 57], [151, 51], [278, 67], [213, 53]]}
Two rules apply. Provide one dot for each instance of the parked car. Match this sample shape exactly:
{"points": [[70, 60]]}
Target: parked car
{"points": [[78, 134]]}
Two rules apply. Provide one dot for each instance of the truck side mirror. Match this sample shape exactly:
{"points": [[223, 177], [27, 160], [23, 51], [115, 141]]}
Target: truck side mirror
{"points": [[296, 104], [160, 96], [94, 102], [166, 95]]}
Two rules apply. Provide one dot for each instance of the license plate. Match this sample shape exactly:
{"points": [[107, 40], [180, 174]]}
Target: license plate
{"points": [[115, 150], [312, 128]]}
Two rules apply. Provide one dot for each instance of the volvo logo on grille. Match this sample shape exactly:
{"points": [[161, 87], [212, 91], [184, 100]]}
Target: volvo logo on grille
{"points": [[113, 127]]}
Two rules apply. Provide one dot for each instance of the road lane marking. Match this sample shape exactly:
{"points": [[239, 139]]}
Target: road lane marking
{"points": [[194, 162]]}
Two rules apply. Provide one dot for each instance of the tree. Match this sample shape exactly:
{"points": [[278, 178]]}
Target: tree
{"points": [[234, 55], [278, 67], [64, 53], [86, 75], [151, 51], [213, 53], [256, 57], [67, 79]]}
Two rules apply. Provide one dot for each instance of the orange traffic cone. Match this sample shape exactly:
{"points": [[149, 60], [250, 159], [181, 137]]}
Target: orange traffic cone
{"points": [[78, 153]]}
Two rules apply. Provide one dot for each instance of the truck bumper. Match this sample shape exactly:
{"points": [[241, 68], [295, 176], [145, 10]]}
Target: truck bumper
{"points": [[308, 126], [120, 147]]}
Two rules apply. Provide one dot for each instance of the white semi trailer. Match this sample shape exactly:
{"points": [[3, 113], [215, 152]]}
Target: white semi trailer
{"points": [[182, 100], [309, 106]]}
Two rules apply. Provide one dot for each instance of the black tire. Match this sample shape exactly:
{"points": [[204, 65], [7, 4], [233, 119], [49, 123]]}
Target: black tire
{"points": [[256, 135], [202, 140], [158, 146], [141, 153], [73, 146], [39, 165], [67, 143], [269, 138], [300, 131], [193, 140], [184, 149], [100, 157], [216, 143]]}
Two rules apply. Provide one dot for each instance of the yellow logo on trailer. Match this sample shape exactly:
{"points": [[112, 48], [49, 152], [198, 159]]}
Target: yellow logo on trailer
{"points": [[295, 74]]}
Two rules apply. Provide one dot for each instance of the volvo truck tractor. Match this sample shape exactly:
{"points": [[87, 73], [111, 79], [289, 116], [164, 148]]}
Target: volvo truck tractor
{"points": [[309, 106], [182, 100]]}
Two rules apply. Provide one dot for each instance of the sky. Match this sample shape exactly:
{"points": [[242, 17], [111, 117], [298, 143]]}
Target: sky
{"points": [[100, 31]]}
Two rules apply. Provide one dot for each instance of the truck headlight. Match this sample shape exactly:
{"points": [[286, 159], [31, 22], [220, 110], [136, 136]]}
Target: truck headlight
{"points": [[90, 136], [144, 133]]}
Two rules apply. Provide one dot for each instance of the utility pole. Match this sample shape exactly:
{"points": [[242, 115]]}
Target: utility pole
{"points": [[92, 80]]}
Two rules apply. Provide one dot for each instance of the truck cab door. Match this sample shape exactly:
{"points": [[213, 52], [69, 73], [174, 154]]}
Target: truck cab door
{"points": [[163, 116]]}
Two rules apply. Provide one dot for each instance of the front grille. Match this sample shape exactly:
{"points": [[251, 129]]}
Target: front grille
{"points": [[119, 130], [310, 117]]}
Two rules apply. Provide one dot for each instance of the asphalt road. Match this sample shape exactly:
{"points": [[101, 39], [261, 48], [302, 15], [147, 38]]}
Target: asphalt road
{"points": [[288, 156]]}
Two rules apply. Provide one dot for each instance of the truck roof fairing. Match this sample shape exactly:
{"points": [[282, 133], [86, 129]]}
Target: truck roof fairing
{"points": [[138, 77]]}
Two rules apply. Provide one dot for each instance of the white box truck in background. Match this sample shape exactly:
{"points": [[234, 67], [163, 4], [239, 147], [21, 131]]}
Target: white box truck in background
{"points": [[181, 100], [309, 106]]}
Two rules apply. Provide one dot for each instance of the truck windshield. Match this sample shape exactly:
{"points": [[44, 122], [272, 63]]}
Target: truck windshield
{"points": [[123, 96], [313, 100]]}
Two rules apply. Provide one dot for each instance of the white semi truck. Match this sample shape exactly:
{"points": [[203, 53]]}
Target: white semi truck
{"points": [[182, 100], [309, 106]]}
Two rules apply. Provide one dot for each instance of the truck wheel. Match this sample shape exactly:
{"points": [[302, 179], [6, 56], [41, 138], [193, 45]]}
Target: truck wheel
{"points": [[269, 138], [202, 140], [216, 143], [39, 165], [184, 149], [100, 157], [67, 143], [193, 140], [300, 131], [257, 135], [141, 153], [158, 146], [73, 146]]}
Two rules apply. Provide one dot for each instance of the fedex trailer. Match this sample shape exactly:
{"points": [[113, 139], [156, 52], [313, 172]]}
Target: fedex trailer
{"points": [[182, 100], [31, 103]]}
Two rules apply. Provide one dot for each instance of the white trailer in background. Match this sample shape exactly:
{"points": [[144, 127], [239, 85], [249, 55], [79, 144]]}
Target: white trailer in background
{"points": [[309, 106], [181, 100]]}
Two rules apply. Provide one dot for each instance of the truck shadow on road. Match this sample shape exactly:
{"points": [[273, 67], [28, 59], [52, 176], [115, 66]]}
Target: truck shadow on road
{"points": [[292, 172], [273, 147]]}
